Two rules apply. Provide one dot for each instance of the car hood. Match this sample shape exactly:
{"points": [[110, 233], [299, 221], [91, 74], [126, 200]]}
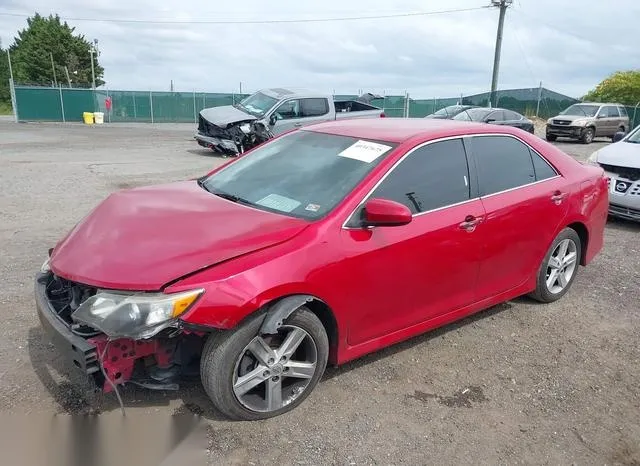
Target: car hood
{"points": [[143, 238], [621, 154], [225, 115]]}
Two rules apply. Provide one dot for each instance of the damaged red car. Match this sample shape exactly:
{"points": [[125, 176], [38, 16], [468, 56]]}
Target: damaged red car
{"points": [[315, 248]]}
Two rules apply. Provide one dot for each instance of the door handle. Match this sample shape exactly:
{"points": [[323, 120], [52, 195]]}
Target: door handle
{"points": [[558, 197], [297, 125], [470, 223]]}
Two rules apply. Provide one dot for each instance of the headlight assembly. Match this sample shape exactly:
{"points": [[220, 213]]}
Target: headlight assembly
{"points": [[136, 316]]}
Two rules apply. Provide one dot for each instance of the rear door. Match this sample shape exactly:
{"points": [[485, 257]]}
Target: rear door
{"points": [[613, 119], [401, 276], [525, 202]]}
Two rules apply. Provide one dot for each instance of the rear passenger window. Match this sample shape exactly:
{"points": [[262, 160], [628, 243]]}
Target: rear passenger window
{"points": [[314, 107], [612, 112], [433, 176], [541, 167], [503, 163]]}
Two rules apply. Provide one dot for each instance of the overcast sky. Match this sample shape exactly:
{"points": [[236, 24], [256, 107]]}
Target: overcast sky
{"points": [[570, 45]]}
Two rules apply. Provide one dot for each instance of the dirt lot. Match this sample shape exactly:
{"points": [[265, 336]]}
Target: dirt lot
{"points": [[520, 383]]}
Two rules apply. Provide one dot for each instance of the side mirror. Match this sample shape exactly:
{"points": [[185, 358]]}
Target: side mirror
{"points": [[272, 119], [489, 120], [619, 136], [383, 212], [601, 116]]}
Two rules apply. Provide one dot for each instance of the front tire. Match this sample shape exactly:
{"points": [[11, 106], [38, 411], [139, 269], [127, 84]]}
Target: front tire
{"points": [[559, 267], [587, 135], [249, 376]]}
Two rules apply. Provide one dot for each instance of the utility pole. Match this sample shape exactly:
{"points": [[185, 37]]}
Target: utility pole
{"points": [[92, 50], [503, 5], [53, 68]]}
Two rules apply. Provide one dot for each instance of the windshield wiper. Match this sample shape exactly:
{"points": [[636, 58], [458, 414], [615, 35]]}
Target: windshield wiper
{"points": [[230, 197]]}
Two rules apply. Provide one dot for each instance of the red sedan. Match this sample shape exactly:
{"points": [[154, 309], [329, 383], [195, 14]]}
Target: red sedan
{"points": [[317, 247]]}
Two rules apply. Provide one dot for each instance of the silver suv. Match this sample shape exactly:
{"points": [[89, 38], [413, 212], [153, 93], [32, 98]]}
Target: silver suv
{"points": [[585, 121]]}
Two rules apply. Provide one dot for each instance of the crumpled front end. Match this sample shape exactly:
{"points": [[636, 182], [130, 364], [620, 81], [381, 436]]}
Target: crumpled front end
{"points": [[156, 362], [232, 139]]}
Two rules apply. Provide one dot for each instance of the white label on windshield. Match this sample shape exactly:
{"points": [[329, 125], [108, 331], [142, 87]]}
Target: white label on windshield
{"points": [[277, 202], [365, 151]]}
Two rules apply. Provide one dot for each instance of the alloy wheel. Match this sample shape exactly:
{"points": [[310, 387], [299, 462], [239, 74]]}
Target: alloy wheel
{"points": [[273, 370], [561, 266]]}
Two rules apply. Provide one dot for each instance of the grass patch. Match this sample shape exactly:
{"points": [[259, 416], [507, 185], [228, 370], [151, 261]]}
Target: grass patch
{"points": [[5, 108]]}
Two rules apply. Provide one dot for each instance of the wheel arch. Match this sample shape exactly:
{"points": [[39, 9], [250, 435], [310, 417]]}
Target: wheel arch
{"points": [[583, 233], [277, 310]]}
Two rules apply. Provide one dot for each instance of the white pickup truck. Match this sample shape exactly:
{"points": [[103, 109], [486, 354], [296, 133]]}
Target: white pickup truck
{"points": [[233, 129]]}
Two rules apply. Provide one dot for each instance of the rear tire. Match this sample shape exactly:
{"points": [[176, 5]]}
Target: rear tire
{"points": [[587, 135], [551, 137], [559, 267], [226, 358]]}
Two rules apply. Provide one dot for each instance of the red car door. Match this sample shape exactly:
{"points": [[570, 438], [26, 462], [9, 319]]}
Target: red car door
{"points": [[403, 275], [525, 200]]}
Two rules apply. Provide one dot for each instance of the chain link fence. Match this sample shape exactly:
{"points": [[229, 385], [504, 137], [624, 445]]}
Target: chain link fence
{"points": [[33, 103]]}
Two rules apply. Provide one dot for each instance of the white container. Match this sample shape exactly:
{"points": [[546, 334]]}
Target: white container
{"points": [[98, 118]]}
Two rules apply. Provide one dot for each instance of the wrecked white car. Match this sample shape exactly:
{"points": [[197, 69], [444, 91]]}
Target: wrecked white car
{"points": [[233, 129]]}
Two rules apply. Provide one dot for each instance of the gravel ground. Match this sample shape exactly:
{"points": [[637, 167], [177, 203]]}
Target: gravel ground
{"points": [[519, 383]]}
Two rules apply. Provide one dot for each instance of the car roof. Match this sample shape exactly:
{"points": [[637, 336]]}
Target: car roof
{"points": [[597, 103], [399, 130]]}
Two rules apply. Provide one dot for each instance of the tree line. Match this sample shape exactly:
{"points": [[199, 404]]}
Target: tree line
{"points": [[48, 52]]}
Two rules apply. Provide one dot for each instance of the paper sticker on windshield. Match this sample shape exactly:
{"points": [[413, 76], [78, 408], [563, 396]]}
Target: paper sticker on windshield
{"points": [[312, 207], [277, 202], [365, 151]]}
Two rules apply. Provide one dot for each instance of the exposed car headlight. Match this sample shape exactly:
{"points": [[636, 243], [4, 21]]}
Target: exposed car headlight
{"points": [[46, 266], [579, 122], [593, 159], [136, 316]]}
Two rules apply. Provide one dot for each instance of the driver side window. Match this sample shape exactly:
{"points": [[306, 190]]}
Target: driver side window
{"points": [[288, 110]]}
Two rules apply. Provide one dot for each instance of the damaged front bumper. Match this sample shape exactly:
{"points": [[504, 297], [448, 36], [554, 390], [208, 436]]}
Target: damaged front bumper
{"points": [[154, 363], [217, 144], [232, 138]]}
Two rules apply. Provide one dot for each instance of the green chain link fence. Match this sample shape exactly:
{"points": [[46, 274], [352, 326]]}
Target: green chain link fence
{"points": [[64, 104]]}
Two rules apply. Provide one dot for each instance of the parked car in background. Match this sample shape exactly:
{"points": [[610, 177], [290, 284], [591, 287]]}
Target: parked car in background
{"points": [[449, 112], [233, 129], [621, 163], [319, 246], [496, 116], [585, 121]]}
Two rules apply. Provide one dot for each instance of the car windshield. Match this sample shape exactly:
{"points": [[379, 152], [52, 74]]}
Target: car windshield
{"points": [[303, 174], [447, 110], [581, 110], [473, 114], [257, 104], [634, 137]]}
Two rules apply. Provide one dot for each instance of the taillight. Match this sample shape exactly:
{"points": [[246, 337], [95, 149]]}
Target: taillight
{"points": [[382, 115]]}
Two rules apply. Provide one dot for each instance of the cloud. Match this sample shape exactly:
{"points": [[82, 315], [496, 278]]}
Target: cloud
{"points": [[428, 56]]}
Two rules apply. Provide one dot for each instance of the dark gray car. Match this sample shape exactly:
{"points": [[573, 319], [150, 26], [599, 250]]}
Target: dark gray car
{"points": [[447, 113], [496, 116]]}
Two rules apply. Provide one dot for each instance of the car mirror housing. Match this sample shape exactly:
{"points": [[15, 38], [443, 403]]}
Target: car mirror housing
{"points": [[384, 212]]}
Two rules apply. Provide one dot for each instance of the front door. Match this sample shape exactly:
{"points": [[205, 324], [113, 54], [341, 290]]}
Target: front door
{"points": [[525, 203], [296, 113], [412, 273]]}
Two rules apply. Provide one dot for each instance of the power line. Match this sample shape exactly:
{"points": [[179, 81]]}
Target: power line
{"points": [[266, 21]]}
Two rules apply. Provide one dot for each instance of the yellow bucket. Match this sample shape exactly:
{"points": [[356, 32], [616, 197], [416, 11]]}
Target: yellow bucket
{"points": [[88, 118]]}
